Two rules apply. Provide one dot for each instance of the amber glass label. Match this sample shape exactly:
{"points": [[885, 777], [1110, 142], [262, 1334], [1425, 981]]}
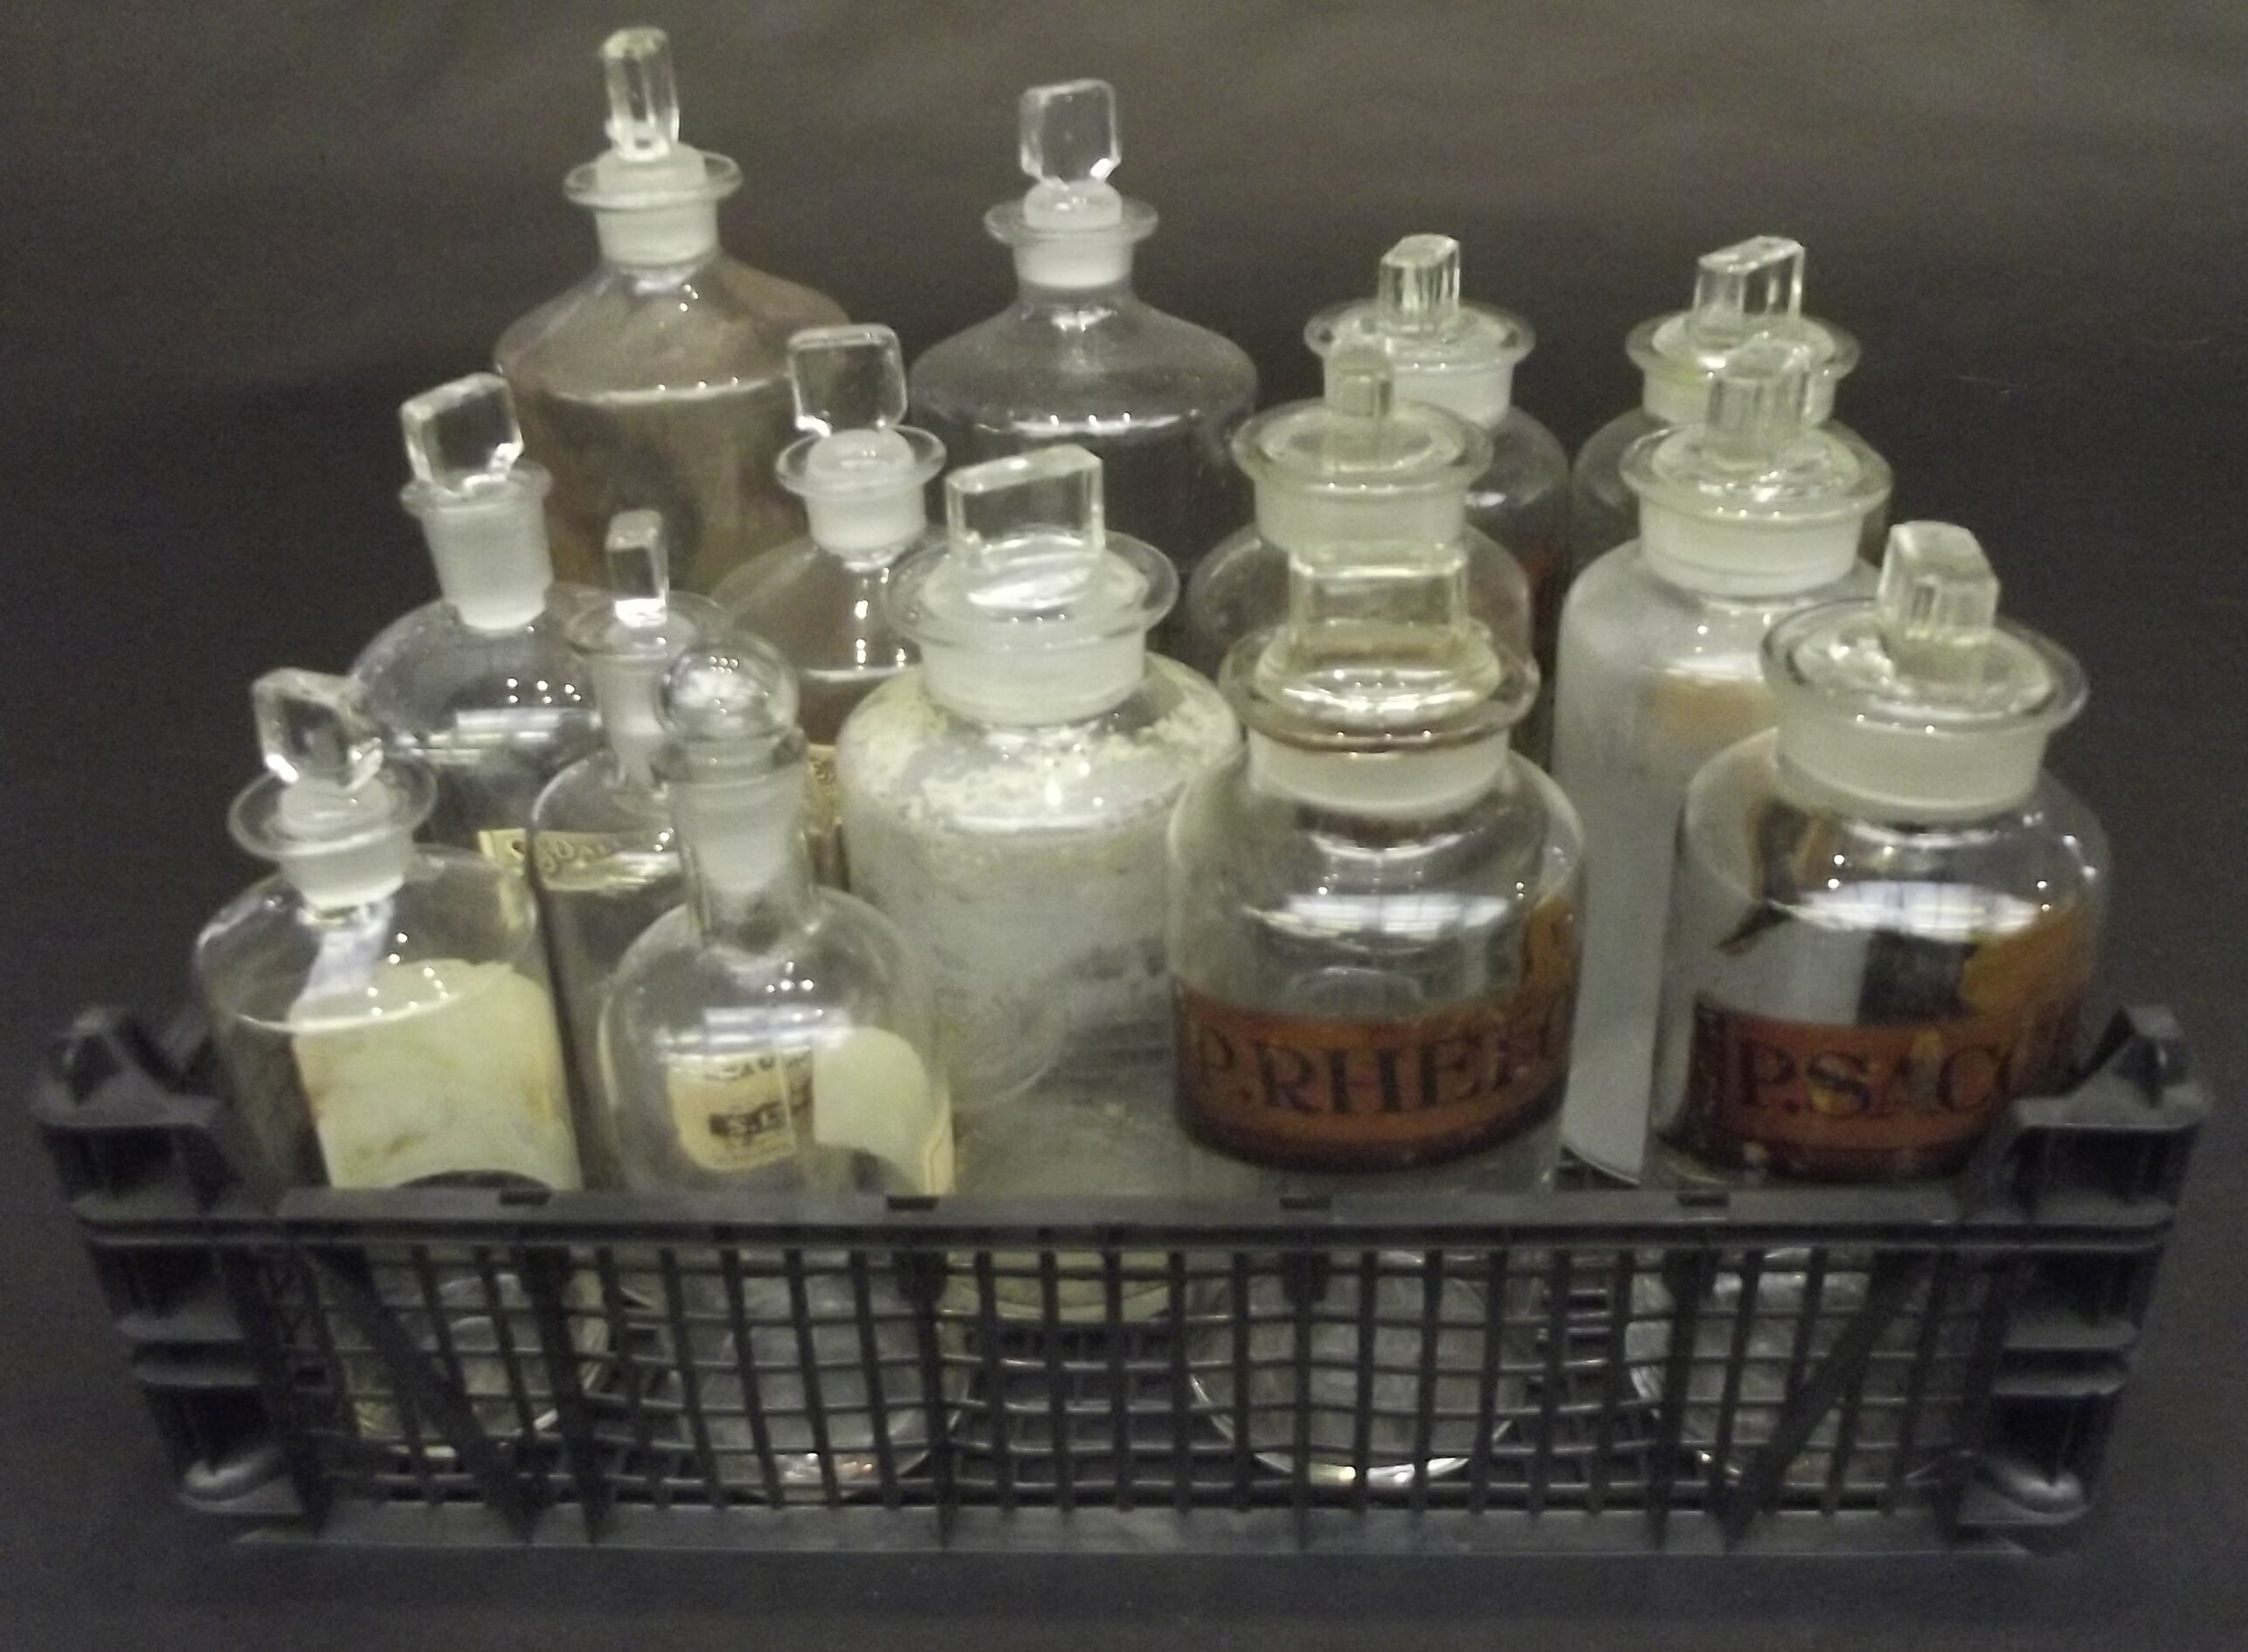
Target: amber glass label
{"points": [[1869, 1100], [1382, 1095], [741, 1113]]}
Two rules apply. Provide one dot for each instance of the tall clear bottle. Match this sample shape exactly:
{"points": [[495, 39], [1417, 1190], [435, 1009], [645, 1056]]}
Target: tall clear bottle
{"points": [[660, 381], [1883, 915], [1745, 518], [822, 599], [380, 1009], [1079, 358], [770, 1037], [1007, 803], [1462, 357], [602, 853], [481, 685], [1372, 929], [1755, 287], [1323, 475]]}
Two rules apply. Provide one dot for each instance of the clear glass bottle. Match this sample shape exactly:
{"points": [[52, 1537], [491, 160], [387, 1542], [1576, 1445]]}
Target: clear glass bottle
{"points": [[1006, 801], [602, 852], [1754, 286], [1079, 358], [771, 1036], [1374, 905], [379, 1009], [659, 381], [1883, 915], [1322, 474], [864, 477], [481, 685], [1745, 518], [1462, 357]]}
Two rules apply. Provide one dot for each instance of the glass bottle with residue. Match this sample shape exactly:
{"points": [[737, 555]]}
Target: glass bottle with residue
{"points": [[821, 600], [1883, 914], [1079, 358], [1374, 905], [1330, 470], [480, 684], [1745, 518], [379, 1008], [1006, 801], [1755, 286], [660, 381], [1462, 357], [602, 852]]}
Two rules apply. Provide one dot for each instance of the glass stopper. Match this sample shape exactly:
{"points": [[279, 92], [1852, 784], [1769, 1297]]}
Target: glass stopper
{"points": [[638, 569], [726, 695], [1030, 530], [1069, 132], [1741, 290], [643, 122], [462, 434], [315, 727], [847, 378], [1419, 290], [1760, 398], [1937, 601]]}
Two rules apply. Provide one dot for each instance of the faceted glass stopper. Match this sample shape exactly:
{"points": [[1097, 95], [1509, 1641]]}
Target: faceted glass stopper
{"points": [[1360, 395], [1759, 399], [315, 727], [1419, 284], [464, 434], [638, 569], [1936, 602], [1030, 530], [1069, 132], [643, 122], [847, 378], [1741, 290], [723, 696]]}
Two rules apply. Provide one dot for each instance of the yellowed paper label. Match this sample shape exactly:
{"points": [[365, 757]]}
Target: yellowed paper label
{"points": [[505, 846], [560, 856], [436, 1069], [873, 1094], [740, 1113]]}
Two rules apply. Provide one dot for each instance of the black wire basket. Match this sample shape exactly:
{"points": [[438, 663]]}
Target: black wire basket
{"points": [[1877, 1368]]}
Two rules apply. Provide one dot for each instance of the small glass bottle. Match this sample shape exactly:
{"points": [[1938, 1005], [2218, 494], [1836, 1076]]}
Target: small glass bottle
{"points": [[1883, 916], [864, 477], [1462, 357], [1372, 906], [602, 853], [1323, 474], [658, 382], [1745, 518], [1079, 358], [480, 684], [1007, 803], [770, 1037], [1755, 286], [379, 1009]]}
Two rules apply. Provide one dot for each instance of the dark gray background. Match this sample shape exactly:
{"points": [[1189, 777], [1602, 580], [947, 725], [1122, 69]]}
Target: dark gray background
{"points": [[238, 232]]}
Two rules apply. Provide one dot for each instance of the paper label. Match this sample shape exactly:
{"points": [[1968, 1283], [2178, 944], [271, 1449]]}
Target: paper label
{"points": [[823, 818], [470, 1084], [874, 1095], [735, 1114], [559, 857], [1381, 1095], [504, 845], [1885, 1100]]}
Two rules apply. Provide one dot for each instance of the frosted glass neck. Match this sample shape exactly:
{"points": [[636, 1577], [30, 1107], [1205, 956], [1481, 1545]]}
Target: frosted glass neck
{"points": [[742, 840], [1292, 518], [332, 879], [678, 233], [1071, 267], [1737, 559], [626, 690], [1675, 395], [1383, 785], [1482, 396], [1031, 686], [489, 549]]}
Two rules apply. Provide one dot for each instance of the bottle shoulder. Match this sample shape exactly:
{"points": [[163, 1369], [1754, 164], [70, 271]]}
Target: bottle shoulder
{"points": [[621, 330], [845, 961], [595, 794], [1620, 607], [1127, 356], [426, 666]]}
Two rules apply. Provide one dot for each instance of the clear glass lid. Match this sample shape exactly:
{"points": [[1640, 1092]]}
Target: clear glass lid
{"points": [[730, 714], [1069, 145], [1757, 456], [861, 470], [1754, 288], [1026, 563], [647, 166], [1418, 313], [1379, 651], [1357, 442], [332, 808]]}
